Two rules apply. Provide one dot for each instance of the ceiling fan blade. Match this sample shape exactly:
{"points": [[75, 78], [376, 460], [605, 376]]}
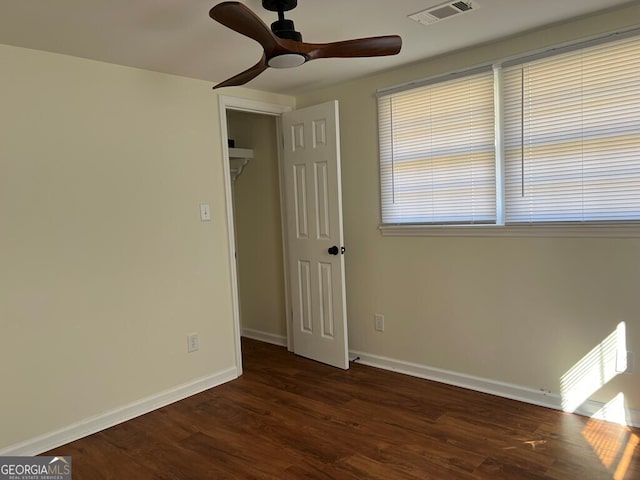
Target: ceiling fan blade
{"points": [[238, 17], [245, 76], [360, 47]]}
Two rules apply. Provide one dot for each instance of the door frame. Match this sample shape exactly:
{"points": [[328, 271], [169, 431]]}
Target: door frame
{"points": [[262, 108]]}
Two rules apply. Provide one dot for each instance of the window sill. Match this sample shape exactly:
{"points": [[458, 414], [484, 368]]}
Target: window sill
{"points": [[617, 230]]}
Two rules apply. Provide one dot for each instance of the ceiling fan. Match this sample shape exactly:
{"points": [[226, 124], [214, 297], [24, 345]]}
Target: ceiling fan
{"points": [[283, 46]]}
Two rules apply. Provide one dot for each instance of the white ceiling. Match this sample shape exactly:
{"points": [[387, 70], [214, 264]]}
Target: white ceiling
{"points": [[178, 37]]}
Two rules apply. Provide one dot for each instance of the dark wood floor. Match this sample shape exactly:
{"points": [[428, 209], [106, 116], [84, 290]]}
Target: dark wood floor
{"points": [[291, 418]]}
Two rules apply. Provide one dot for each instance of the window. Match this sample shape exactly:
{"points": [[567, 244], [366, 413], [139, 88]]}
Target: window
{"points": [[572, 136], [568, 135], [437, 154]]}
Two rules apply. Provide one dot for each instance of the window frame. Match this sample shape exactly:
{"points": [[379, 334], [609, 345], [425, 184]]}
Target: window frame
{"points": [[604, 229]]}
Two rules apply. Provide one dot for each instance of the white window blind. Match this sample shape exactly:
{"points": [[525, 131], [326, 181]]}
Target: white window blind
{"points": [[572, 136], [437, 153]]}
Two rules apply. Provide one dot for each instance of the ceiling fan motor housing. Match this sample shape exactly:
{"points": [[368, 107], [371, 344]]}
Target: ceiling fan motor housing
{"points": [[279, 5], [285, 29]]}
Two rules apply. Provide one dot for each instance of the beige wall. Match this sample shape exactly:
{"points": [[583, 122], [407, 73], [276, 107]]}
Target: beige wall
{"points": [[258, 225], [104, 264], [516, 310]]}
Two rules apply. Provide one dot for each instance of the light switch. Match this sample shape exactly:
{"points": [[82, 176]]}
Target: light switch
{"points": [[205, 212]]}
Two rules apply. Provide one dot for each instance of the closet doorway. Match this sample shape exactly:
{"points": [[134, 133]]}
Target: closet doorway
{"points": [[253, 157]]}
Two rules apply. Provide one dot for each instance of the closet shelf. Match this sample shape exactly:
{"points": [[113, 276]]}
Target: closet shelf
{"points": [[238, 159]]}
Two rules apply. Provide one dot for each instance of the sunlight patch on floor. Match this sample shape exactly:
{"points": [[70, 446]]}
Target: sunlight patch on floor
{"points": [[607, 439], [614, 444], [627, 456]]}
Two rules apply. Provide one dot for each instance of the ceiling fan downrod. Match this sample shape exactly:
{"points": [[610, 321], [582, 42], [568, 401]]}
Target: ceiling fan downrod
{"points": [[282, 27]]}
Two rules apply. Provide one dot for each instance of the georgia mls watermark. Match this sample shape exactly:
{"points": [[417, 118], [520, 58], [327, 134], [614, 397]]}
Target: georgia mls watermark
{"points": [[35, 468]]}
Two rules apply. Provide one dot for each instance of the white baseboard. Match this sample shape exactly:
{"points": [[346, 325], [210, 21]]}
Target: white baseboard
{"points": [[598, 410], [279, 340], [479, 384], [91, 425]]}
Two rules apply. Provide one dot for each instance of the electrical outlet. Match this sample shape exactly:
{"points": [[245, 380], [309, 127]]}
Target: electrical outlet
{"points": [[378, 322], [192, 343]]}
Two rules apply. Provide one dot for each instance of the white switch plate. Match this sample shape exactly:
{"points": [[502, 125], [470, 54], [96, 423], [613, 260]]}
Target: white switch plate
{"points": [[205, 212], [378, 322], [192, 343]]}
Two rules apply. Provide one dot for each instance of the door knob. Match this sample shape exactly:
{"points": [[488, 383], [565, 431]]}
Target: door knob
{"points": [[333, 250]]}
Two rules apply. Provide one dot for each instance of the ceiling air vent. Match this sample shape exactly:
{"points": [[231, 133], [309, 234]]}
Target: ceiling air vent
{"points": [[440, 12]]}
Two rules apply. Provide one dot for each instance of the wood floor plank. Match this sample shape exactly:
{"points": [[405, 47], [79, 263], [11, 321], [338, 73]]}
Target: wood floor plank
{"points": [[97, 459], [292, 418]]}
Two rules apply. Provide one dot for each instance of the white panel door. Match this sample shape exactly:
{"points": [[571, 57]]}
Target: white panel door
{"points": [[311, 159]]}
